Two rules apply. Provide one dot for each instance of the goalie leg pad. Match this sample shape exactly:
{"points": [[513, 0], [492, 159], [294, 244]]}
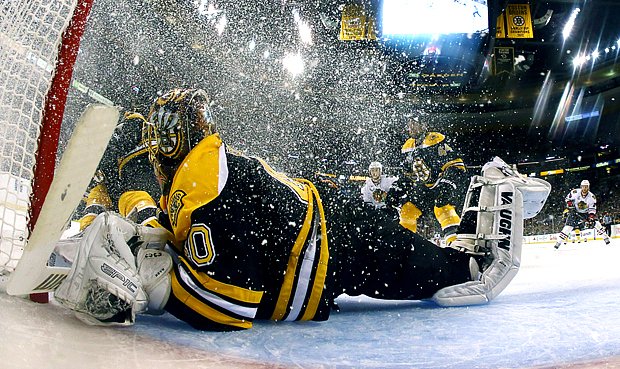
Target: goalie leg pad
{"points": [[154, 270], [497, 234], [103, 286]]}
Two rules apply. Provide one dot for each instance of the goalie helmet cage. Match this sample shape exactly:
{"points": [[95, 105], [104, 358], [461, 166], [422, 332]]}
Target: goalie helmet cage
{"points": [[39, 41]]}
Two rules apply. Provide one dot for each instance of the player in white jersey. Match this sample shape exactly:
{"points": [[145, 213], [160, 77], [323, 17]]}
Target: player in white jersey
{"points": [[375, 189], [581, 205]]}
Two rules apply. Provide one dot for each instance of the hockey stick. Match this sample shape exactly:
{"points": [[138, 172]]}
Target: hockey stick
{"points": [[77, 167]]}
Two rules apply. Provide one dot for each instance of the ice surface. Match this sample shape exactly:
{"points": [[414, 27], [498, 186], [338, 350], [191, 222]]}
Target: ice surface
{"points": [[561, 309]]}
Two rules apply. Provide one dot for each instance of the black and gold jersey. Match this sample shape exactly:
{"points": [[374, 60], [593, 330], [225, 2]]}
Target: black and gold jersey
{"points": [[436, 173], [429, 158], [250, 242]]}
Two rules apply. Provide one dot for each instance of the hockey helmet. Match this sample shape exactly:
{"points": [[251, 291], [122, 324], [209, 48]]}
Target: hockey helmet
{"points": [[374, 169], [585, 186], [177, 121], [416, 127]]}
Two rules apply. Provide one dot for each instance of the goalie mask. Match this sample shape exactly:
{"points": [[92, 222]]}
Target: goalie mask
{"points": [[177, 121]]}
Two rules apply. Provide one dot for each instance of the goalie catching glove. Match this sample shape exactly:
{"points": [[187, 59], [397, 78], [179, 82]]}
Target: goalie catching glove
{"points": [[106, 284]]}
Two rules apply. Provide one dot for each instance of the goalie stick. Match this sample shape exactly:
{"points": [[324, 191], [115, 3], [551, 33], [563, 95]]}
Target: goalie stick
{"points": [[77, 167]]}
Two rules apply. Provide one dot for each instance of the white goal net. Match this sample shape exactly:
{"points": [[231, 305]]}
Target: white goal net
{"points": [[32, 85]]}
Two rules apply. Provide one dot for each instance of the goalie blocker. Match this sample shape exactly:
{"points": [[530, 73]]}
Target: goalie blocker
{"points": [[122, 270]]}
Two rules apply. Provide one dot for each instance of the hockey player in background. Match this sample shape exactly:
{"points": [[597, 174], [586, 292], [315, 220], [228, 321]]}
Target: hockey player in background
{"points": [[434, 180], [246, 242], [581, 205], [124, 169], [607, 223], [377, 185]]}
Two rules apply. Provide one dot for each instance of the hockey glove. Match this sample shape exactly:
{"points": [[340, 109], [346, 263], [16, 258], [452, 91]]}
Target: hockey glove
{"points": [[103, 287], [591, 221]]}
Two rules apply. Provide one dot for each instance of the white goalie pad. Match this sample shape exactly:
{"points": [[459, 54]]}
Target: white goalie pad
{"points": [[533, 190], [503, 198]]}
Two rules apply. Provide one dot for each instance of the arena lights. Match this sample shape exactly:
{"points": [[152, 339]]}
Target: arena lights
{"points": [[305, 32], [595, 54], [293, 63], [570, 23], [582, 58]]}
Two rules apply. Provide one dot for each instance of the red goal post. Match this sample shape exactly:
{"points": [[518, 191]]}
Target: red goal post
{"points": [[39, 42]]}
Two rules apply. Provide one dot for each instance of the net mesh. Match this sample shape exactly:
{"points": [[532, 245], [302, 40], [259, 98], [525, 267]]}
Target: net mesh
{"points": [[30, 35]]}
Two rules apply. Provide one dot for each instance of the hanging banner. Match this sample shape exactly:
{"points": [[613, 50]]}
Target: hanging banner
{"points": [[519, 21], [501, 27], [503, 60], [355, 25]]}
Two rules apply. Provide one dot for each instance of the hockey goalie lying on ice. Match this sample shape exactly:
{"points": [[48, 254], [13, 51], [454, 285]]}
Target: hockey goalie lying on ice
{"points": [[239, 241]]}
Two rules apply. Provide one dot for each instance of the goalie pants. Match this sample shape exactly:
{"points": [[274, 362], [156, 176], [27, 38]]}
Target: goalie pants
{"points": [[372, 254]]}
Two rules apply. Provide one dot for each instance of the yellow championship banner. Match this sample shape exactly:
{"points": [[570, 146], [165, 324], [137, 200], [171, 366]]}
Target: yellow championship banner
{"points": [[500, 31], [356, 25], [519, 21]]}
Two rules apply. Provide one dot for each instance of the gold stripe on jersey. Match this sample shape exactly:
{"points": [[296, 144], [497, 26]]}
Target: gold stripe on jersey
{"points": [[99, 196], [290, 275], [132, 201], [210, 152], [299, 188], [217, 301], [457, 163], [321, 273], [300, 277], [124, 160], [203, 309], [140, 207], [231, 291], [409, 214]]}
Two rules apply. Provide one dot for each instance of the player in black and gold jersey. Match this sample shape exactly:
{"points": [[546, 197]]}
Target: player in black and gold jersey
{"points": [[247, 242], [434, 179]]}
